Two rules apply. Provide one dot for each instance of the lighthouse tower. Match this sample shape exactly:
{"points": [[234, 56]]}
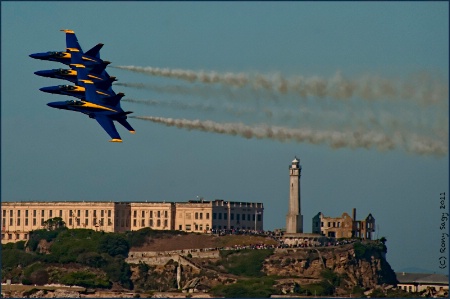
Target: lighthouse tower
{"points": [[294, 218]]}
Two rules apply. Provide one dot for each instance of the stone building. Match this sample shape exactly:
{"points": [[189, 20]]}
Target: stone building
{"points": [[19, 218], [344, 226]]}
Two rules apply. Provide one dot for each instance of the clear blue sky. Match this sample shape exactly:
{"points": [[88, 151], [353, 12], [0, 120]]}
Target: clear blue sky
{"points": [[53, 155]]}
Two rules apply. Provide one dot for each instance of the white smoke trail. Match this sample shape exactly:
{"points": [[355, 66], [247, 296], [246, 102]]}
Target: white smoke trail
{"points": [[335, 139], [423, 88]]}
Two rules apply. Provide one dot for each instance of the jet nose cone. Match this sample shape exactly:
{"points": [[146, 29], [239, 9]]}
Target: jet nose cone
{"points": [[58, 105], [50, 89], [38, 55], [43, 73]]}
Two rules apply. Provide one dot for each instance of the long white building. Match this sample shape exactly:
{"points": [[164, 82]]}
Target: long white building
{"points": [[19, 218]]}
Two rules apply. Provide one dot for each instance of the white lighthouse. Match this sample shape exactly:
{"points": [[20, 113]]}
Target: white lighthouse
{"points": [[294, 218]]}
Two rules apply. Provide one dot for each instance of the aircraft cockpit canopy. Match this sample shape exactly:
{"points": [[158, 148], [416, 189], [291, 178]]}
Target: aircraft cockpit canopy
{"points": [[74, 103], [63, 71], [57, 54], [67, 87]]}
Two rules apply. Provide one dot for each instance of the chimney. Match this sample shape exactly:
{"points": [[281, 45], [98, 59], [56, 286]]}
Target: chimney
{"points": [[354, 214]]}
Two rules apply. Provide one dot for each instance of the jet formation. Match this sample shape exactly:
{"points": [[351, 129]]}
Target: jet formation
{"points": [[92, 85]]}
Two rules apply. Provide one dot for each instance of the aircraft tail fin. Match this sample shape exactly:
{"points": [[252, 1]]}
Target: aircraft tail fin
{"points": [[125, 123], [95, 51], [72, 41], [114, 100]]}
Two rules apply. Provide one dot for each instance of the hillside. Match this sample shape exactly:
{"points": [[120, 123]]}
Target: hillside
{"points": [[149, 261]]}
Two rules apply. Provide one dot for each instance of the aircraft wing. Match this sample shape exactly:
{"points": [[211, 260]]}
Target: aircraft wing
{"points": [[108, 125]]}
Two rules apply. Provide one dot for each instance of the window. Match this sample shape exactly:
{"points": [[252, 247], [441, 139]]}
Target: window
{"points": [[165, 222], [207, 216], [26, 213], [188, 227], [70, 213], [102, 213], [34, 221], [26, 221], [70, 221], [18, 213], [109, 222], [231, 216], [4, 222], [109, 213], [143, 215], [158, 223], [51, 213], [196, 215], [86, 222], [259, 217], [237, 217], [134, 222], [25, 236], [214, 215], [220, 215], [150, 223], [135, 214], [78, 221], [10, 221], [34, 213], [151, 214], [86, 214], [142, 222], [4, 213], [42, 213], [180, 227], [243, 217], [95, 213], [225, 216], [18, 221], [165, 214], [10, 213], [60, 213], [78, 213], [321, 224], [17, 236], [159, 214], [201, 215]]}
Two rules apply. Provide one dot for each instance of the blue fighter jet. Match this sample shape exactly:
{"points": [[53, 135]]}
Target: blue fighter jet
{"points": [[104, 110], [97, 74], [103, 83], [72, 46]]}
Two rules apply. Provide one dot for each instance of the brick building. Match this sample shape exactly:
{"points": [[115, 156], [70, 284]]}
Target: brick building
{"points": [[344, 226]]}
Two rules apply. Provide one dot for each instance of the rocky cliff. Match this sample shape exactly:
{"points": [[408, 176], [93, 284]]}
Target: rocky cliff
{"points": [[336, 270], [356, 265]]}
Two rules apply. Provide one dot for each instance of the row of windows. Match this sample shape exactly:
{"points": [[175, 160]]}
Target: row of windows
{"points": [[71, 222], [238, 216], [151, 223], [56, 214], [14, 236], [85, 223], [157, 214]]}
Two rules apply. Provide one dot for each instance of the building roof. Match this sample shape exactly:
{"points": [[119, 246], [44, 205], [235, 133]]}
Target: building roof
{"points": [[421, 278]]}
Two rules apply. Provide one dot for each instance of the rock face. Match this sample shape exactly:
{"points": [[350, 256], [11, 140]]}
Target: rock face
{"points": [[356, 265], [366, 271]]}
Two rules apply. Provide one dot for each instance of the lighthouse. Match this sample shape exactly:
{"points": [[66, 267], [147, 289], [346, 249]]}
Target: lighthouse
{"points": [[294, 218]]}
